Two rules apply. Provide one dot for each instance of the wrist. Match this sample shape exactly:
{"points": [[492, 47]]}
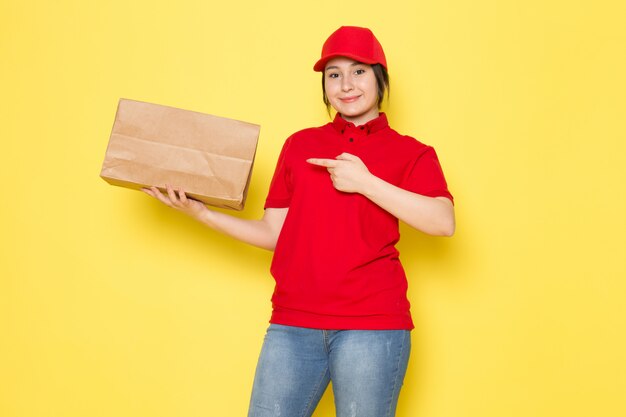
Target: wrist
{"points": [[206, 216], [371, 186]]}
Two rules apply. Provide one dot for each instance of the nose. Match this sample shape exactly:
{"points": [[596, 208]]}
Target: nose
{"points": [[346, 84]]}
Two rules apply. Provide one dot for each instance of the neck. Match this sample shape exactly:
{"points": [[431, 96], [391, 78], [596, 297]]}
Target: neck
{"points": [[362, 118]]}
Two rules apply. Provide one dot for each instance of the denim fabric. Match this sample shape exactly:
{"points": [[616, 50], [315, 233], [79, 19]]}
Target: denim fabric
{"points": [[296, 364]]}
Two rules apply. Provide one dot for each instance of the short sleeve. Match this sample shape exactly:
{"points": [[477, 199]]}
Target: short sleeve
{"points": [[279, 194], [424, 176]]}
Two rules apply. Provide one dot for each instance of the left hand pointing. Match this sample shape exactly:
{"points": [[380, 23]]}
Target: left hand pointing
{"points": [[347, 172]]}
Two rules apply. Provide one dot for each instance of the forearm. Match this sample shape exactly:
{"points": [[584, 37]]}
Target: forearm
{"points": [[262, 233], [434, 216]]}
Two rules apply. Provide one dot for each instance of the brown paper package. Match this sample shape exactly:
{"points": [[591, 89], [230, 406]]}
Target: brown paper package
{"points": [[210, 157]]}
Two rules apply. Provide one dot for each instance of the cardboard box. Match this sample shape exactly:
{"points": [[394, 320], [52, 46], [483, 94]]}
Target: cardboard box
{"points": [[210, 157]]}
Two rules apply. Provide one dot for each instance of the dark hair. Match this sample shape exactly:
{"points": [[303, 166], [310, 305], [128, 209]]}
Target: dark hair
{"points": [[382, 82]]}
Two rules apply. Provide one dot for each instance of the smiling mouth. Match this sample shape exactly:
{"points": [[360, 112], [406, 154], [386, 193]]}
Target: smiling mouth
{"points": [[349, 99]]}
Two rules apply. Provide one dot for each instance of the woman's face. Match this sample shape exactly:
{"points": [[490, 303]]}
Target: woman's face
{"points": [[351, 89]]}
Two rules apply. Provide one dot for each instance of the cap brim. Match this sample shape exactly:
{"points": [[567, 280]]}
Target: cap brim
{"points": [[321, 64]]}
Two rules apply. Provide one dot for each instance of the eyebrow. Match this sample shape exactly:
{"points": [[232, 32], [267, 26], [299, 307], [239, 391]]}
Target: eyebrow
{"points": [[354, 64]]}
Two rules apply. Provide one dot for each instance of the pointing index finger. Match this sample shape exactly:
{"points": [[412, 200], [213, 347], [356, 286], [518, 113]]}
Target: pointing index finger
{"points": [[328, 163]]}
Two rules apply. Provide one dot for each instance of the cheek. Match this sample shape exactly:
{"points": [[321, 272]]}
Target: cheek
{"points": [[331, 88], [370, 86]]}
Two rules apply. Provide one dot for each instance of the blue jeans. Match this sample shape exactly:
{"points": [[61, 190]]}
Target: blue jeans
{"points": [[296, 364]]}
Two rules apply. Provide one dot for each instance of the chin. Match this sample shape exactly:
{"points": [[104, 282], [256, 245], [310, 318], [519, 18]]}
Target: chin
{"points": [[351, 112]]}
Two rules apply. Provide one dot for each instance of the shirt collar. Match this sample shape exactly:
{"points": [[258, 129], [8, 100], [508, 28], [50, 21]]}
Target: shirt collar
{"points": [[374, 125]]}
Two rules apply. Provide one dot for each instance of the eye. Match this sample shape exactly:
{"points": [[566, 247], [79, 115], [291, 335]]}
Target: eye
{"points": [[333, 75], [359, 71]]}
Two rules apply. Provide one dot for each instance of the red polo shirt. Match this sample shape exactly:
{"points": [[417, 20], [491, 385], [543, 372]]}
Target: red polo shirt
{"points": [[335, 262]]}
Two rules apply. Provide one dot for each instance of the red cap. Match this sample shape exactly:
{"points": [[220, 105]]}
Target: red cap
{"points": [[353, 42]]}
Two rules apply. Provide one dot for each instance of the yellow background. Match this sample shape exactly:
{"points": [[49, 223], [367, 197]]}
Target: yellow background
{"points": [[114, 305]]}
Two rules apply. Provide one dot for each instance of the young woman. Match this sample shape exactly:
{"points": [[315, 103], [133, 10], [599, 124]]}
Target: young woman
{"points": [[340, 311]]}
